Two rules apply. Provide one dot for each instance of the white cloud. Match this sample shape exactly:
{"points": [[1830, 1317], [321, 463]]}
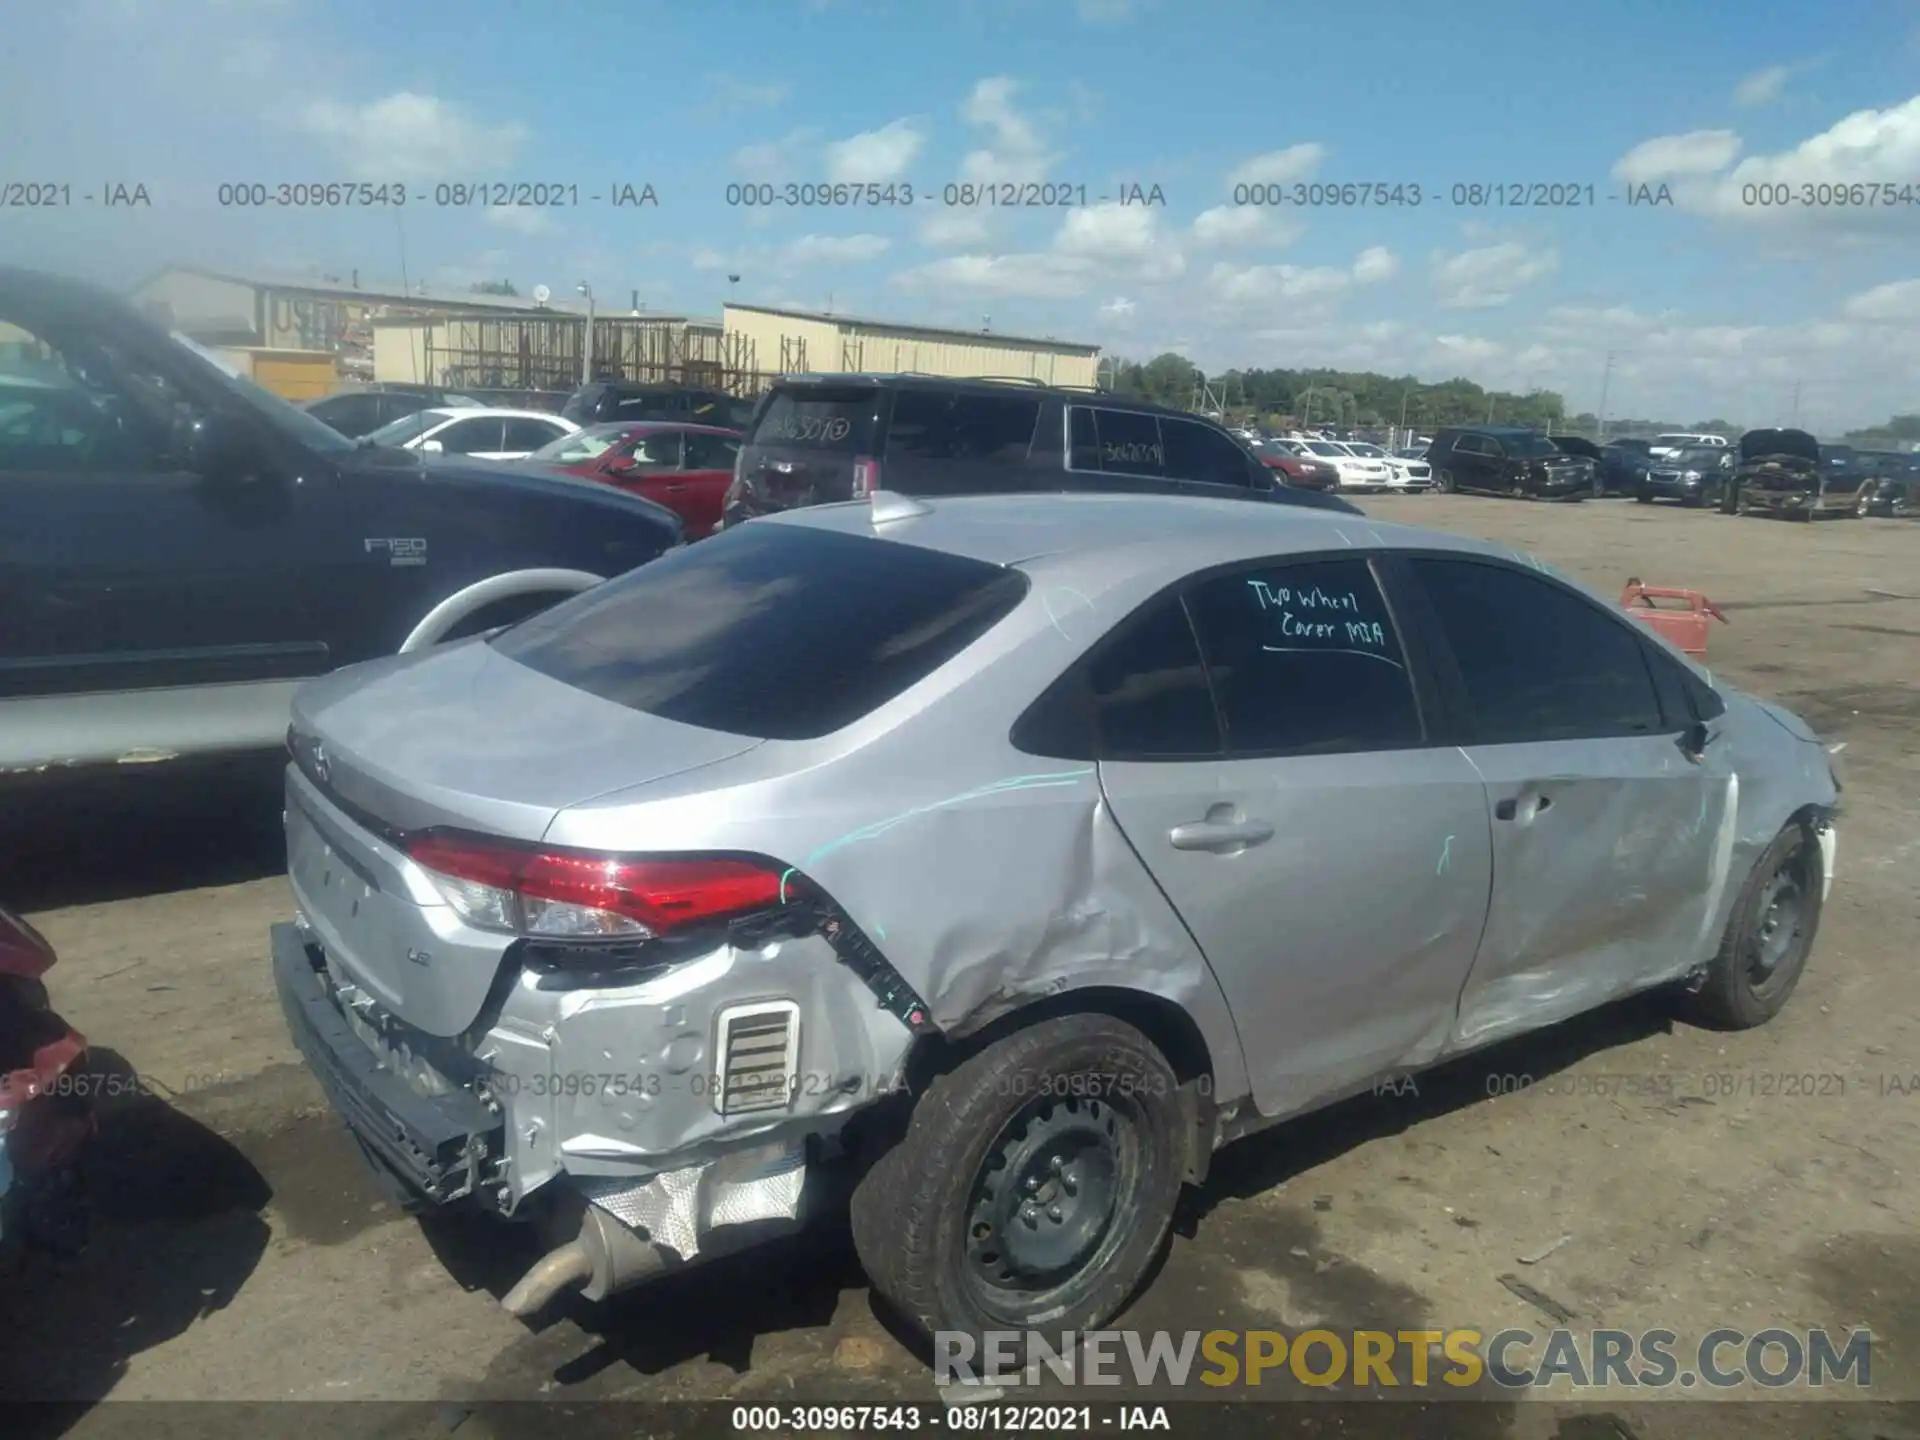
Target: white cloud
{"points": [[731, 94], [1895, 303], [1763, 87], [1265, 284], [412, 137], [835, 249], [525, 219], [1015, 151], [1279, 167], [875, 156], [956, 229], [1375, 264], [1490, 276], [777, 160], [1033, 276], [1118, 308], [1668, 157], [1244, 227], [1868, 147], [706, 259], [1110, 232], [1298, 287]]}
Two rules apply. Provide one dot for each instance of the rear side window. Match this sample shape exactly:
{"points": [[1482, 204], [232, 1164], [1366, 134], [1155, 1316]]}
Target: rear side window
{"points": [[1196, 452], [1126, 442], [931, 425], [819, 419], [1305, 660], [1538, 661], [780, 632]]}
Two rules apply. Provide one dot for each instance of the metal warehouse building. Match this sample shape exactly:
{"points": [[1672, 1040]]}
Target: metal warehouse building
{"points": [[796, 341]]}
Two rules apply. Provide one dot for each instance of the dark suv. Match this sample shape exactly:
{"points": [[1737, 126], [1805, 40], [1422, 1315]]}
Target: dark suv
{"points": [[816, 439], [1508, 460], [605, 401], [361, 412], [179, 549]]}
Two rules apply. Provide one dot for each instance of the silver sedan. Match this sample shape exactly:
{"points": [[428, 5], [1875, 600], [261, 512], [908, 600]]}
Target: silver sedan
{"points": [[1009, 855]]}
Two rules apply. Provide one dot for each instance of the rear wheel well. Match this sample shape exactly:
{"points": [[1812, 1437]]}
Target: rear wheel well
{"points": [[1170, 1028], [508, 610]]}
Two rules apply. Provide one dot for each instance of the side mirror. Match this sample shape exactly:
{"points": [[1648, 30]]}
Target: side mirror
{"points": [[219, 449], [1695, 739], [433, 447]]}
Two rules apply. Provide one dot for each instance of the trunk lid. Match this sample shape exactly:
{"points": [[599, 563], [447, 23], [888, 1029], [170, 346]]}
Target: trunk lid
{"points": [[462, 736]]}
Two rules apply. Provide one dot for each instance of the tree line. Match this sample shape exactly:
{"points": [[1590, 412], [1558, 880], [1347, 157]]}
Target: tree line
{"points": [[1365, 400]]}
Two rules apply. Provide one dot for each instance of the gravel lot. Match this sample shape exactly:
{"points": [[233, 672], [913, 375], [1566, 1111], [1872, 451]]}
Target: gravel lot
{"points": [[242, 1253]]}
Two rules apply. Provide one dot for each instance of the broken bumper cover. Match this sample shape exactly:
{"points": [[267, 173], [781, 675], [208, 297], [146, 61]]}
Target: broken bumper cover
{"points": [[431, 1147]]}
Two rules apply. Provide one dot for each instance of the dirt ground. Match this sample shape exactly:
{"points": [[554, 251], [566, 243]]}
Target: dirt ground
{"points": [[243, 1254]]}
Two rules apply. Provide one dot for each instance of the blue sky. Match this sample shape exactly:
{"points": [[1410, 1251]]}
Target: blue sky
{"points": [[1709, 306]]}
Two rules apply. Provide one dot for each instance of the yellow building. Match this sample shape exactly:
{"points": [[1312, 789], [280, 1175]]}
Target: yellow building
{"points": [[790, 342]]}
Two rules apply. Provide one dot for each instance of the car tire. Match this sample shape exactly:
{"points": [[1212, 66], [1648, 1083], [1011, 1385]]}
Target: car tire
{"points": [[1689, 502], [1643, 497], [940, 1221], [1443, 482], [1863, 507], [1757, 966]]}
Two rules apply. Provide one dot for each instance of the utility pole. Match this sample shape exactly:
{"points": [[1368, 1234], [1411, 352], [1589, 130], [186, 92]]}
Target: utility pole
{"points": [[586, 344], [1606, 378], [1796, 405]]}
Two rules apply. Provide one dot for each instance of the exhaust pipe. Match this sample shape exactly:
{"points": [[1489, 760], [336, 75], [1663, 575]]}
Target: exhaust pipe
{"points": [[605, 1257]]}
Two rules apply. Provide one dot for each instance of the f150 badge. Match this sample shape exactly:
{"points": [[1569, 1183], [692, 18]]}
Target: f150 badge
{"points": [[399, 552]]}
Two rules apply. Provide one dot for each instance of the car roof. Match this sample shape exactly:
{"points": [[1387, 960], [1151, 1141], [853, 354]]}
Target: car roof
{"points": [[1122, 535], [489, 412], [989, 385], [637, 427]]}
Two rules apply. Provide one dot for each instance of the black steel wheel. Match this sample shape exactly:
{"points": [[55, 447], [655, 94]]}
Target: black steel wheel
{"points": [[1045, 1199], [1769, 935], [1034, 1186]]}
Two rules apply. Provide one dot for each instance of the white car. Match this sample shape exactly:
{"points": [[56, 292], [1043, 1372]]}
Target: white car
{"points": [[1356, 472], [1665, 445], [483, 434], [1403, 473]]}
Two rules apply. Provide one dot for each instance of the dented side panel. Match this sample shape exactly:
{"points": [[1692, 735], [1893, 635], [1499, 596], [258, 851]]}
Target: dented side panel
{"points": [[1607, 866]]}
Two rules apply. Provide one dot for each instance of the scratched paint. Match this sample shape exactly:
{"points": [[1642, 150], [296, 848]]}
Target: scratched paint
{"points": [[1446, 857], [1071, 612], [1045, 780]]}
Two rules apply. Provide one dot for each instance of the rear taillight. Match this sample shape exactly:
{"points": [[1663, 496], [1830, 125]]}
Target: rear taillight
{"points": [[563, 894], [866, 477]]}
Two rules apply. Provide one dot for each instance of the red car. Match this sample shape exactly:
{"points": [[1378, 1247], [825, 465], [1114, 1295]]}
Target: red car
{"points": [[686, 468], [1301, 471]]}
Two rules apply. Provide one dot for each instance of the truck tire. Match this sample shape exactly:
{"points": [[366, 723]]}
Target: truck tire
{"points": [[1015, 1203], [1768, 938]]}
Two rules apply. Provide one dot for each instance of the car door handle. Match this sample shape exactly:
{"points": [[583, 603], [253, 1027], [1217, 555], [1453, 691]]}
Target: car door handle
{"points": [[1509, 808], [1218, 834], [675, 489]]}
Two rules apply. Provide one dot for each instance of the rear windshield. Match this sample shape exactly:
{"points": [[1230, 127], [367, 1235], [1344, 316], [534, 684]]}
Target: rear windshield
{"points": [[780, 632], [839, 420]]}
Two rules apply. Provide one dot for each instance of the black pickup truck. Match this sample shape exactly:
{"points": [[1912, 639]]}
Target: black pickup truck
{"points": [[180, 549]]}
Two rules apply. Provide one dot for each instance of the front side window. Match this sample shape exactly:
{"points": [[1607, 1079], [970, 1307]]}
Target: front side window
{"points": [[88, 412], [1538, 661], [658, 450], [581, 445], [1304, 659], [711, 452]]}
